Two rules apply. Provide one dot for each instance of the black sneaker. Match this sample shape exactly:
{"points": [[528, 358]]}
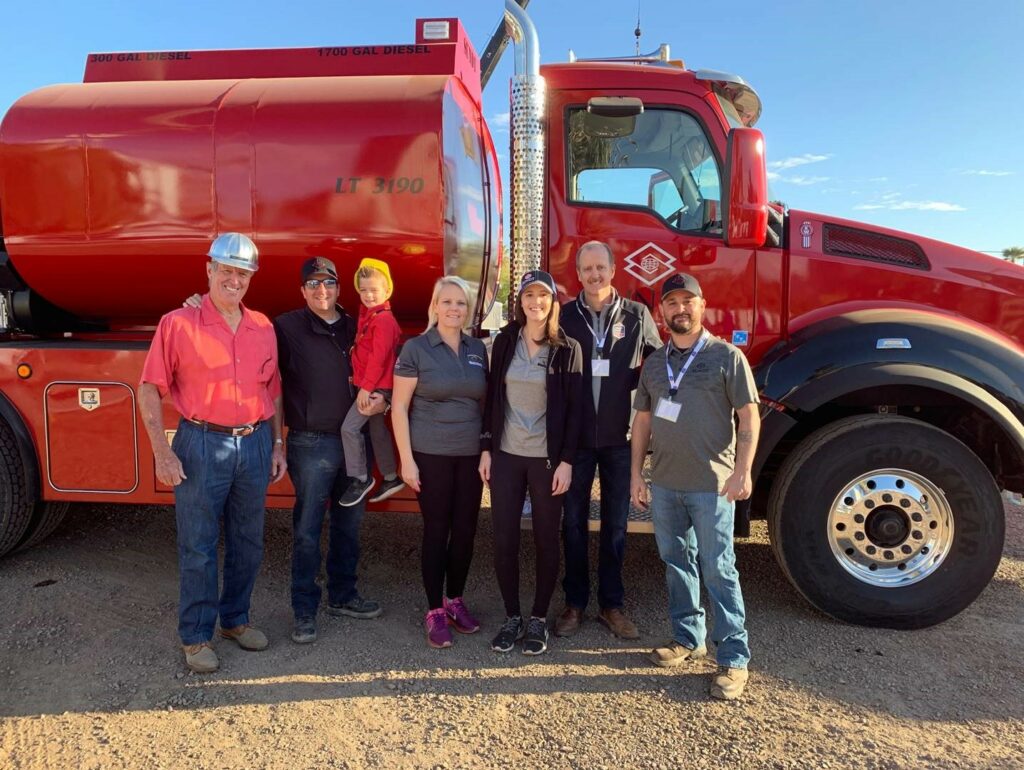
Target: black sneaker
{"points": [[536, 640], [510, 632], [355, 493], [357, 607], [304, 631], [388, 488]]}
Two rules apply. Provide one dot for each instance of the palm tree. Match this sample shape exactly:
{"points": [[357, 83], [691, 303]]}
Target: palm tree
{"points": [[1014, 254]]}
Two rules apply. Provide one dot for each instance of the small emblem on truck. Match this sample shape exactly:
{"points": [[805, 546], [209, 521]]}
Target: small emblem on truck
{"points": [[740, 337], [650, 264], [806, 231], [89, 398]]}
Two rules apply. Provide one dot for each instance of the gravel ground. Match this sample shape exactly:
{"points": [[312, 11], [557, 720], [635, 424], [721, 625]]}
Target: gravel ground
{"points": [[91, 677]]}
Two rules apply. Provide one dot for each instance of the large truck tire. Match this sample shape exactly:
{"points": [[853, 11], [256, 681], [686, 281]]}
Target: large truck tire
{"points": [[46, 517], [17, 500], [886, 521]]}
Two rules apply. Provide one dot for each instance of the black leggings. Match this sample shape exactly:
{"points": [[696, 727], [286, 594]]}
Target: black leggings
{"points": [[449, 496], [511, 476]]}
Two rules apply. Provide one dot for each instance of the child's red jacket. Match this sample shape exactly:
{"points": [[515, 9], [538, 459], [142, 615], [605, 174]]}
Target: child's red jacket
{"points": [[376, 348]]}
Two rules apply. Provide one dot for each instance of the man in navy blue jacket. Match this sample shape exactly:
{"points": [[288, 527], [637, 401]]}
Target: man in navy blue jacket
{"points": [[615, 336]]}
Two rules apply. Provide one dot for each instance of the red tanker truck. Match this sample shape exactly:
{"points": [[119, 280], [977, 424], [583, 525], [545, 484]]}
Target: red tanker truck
{"points": [[890, 366]]}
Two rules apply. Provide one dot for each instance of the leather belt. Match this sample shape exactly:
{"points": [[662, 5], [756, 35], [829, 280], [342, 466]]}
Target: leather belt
{"points": [[241, 430]]}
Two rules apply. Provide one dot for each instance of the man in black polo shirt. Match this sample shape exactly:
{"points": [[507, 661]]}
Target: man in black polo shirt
{"points": [[615, 335], [313, 352]]}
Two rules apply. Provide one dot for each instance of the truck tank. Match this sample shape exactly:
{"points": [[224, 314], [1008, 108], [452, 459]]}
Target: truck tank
{"points": [[111, 190]]}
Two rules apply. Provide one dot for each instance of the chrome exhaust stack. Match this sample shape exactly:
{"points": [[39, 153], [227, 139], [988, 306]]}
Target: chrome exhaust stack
{"points": [[528, 96]]}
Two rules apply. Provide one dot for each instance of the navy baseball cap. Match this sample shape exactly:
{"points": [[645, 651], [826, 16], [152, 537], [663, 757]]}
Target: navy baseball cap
{"points": [[681, 282], [320, 265], [532, 277]]}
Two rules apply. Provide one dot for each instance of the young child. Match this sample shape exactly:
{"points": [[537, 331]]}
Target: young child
{"points": [[373, 363]]}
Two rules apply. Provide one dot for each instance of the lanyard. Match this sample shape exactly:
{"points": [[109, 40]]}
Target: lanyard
{"points": [[674, 380], [598, 341]]}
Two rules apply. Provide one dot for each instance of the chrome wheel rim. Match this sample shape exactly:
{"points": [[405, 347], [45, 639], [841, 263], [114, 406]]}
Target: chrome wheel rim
{"points": [[890, 528]]}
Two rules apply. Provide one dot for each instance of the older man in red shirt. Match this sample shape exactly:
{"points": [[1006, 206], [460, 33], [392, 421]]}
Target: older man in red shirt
{"points": [[218, 362]]}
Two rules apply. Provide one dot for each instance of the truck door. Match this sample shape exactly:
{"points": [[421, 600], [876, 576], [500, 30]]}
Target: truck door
{"points": [[651, 186]]}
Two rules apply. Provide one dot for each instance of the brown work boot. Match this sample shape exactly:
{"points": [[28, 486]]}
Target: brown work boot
{"points": [[728, 683], [672, 653], [569, 622], [247, 637], [618, 623], [200, 658]]}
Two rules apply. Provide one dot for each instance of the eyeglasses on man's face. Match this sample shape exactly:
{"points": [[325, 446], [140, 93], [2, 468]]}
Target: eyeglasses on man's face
{"points": [[314, 283]]}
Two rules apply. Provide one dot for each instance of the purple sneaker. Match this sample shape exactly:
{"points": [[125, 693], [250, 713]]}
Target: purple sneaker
{"points": [[460, 617], [438, 634]]}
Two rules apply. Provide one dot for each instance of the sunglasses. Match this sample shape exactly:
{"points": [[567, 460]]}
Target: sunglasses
{"points": [[314, 283]]}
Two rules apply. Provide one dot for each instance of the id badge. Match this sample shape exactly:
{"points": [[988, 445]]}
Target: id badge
{"points": [[599, 367], [668, 409]]}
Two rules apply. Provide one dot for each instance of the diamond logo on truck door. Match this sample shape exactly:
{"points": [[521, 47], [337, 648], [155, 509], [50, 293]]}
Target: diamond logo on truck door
{"points": [[650, 264]]}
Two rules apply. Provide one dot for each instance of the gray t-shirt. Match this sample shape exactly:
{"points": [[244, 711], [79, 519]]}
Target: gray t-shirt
{"points": [[697, 452], [448, 401], [526, 402]]}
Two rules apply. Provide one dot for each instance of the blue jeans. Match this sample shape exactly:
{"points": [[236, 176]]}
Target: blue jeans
{"points": [[692, 528], [613, 465], [226, 479], [316, 464]]}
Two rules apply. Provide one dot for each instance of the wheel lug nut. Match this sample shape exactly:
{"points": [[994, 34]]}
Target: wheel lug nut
{"points": [[904, 503], [887, 554], [858, 535], [859, 519], [886, 498], [916, 516], [906, 548], [872, 550], [916, 535]]}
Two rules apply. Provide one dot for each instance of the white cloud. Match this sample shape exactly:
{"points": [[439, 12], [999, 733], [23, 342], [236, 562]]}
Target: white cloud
{"points": [[986, 172], [895, 205], [926, 206], [773, 176], [501, 119], [879, 179], [797, 160], [805, 180]]}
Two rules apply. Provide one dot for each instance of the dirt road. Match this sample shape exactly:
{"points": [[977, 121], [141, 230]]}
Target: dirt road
{"points": [[91, 677]]}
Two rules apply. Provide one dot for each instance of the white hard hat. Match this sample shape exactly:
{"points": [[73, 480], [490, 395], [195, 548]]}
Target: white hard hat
{"points": [[236, 250]]}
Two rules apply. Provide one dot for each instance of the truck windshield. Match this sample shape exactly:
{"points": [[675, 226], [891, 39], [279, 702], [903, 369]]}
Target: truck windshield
{"points": [[659, 160]]}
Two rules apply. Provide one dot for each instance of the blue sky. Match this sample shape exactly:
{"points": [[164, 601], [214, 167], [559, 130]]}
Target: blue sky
{"points": [[905, 113]]}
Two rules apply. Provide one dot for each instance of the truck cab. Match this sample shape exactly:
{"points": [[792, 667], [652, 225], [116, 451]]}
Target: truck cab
{"points": [[889, 365]]}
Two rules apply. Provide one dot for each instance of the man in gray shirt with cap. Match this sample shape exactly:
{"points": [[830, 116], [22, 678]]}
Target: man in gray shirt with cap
{"points": [[689, 393]]}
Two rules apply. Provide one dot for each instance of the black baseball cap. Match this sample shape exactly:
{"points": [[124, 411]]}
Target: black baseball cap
{"points": [[316, 265], [681, 282], [537, 276]]}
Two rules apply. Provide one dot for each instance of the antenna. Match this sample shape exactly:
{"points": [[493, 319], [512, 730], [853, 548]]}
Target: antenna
{"points": [[637, 31]]}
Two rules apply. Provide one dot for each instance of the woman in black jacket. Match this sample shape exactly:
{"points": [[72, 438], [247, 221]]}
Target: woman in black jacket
{"points": [[531, 426]]}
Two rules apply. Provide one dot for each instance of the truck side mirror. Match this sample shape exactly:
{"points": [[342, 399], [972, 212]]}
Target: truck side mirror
{"points": [[745, 207]]}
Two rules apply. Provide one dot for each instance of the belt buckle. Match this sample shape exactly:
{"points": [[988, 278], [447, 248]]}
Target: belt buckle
{"points": [[245, 430]]}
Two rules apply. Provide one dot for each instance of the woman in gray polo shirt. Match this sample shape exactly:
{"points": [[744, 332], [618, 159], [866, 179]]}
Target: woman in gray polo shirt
{"points": [[436, 407]]}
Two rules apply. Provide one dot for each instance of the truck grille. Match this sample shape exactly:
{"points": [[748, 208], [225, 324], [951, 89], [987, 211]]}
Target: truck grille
{"points": [[841, 241]]}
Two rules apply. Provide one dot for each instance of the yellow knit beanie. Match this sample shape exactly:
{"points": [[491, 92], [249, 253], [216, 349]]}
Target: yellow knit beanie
{"points": [[378, 265]]}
